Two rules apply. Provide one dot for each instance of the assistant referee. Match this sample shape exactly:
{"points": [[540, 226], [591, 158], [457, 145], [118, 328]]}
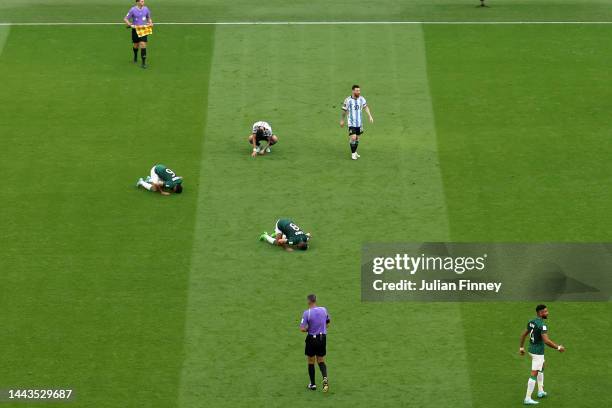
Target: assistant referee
{"points": [[314, 322], [139, 15]]}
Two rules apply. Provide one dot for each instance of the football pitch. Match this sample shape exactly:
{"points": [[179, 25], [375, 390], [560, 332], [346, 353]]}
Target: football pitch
{"points": [[482, 133]]}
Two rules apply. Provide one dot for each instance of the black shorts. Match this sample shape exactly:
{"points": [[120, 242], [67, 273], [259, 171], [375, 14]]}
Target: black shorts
{"points": [[316, 345], [136, 38], [262, 138], [355, 130]]}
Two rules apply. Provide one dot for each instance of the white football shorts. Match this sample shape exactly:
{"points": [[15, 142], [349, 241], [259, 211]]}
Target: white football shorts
{"points": [[537, 362], [154, 177], [277, 230]]}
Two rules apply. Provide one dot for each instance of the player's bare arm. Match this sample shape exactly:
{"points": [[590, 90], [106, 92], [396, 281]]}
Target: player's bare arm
{"points": [[270, 141], [367, 109], [254, 143], [551, 343], [343, 118], [160, 188], [282, 242], [522, 342]]}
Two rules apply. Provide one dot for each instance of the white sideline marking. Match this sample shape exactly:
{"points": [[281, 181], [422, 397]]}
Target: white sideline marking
{"points": [[4, 33], [249, 23]]}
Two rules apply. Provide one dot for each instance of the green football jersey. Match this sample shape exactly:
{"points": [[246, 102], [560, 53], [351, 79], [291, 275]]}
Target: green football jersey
{"points": [[292, 231], [536, 327], [169, 178]]}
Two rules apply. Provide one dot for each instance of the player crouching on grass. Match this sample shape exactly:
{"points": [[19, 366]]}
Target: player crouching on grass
{"points": [[162, 179], [262, 131], [537, 330], [287, 235]]}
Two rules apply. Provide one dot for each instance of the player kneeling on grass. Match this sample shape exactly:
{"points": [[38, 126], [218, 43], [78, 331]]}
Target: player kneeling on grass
{"points": [[162, 179], [287, 235], [262, 131]]}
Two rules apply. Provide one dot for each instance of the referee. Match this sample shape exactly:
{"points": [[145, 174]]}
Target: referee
{"points": [[139, 15], [314, 322]]}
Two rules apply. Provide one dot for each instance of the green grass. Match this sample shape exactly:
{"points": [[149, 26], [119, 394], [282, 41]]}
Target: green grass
{"points": [[310, 10], [522, 141], [95, 272], [522, 130], [482, 133]]}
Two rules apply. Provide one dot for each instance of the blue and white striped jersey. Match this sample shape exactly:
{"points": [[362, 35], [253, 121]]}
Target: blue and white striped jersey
{"points": [[353, 108]]}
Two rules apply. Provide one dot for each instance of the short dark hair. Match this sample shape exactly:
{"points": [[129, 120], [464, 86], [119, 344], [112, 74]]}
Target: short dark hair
{"points": [[303, 245], [178, 189], [540, 307], [355, 86], [260, 132], [312, 298]]}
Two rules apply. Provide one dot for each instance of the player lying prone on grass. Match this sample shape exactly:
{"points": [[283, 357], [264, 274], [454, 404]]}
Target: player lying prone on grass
{"points": [[162, 179], [287, 235]]}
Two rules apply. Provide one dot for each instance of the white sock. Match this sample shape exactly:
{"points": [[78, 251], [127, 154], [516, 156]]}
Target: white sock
{"points": [[540, 381], [530, 386], [269, 239], [146, 185]]}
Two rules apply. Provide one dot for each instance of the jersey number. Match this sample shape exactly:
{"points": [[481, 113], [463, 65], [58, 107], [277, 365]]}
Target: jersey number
{"points": [[296, 229], [174, 176]]}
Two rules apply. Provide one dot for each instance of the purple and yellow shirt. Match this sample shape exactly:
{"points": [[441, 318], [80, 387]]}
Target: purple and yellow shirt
{"points": [[315, 319], [139, 16]]}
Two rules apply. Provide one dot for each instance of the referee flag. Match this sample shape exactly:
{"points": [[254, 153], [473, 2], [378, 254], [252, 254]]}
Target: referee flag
{"points": [[141, 31]]}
